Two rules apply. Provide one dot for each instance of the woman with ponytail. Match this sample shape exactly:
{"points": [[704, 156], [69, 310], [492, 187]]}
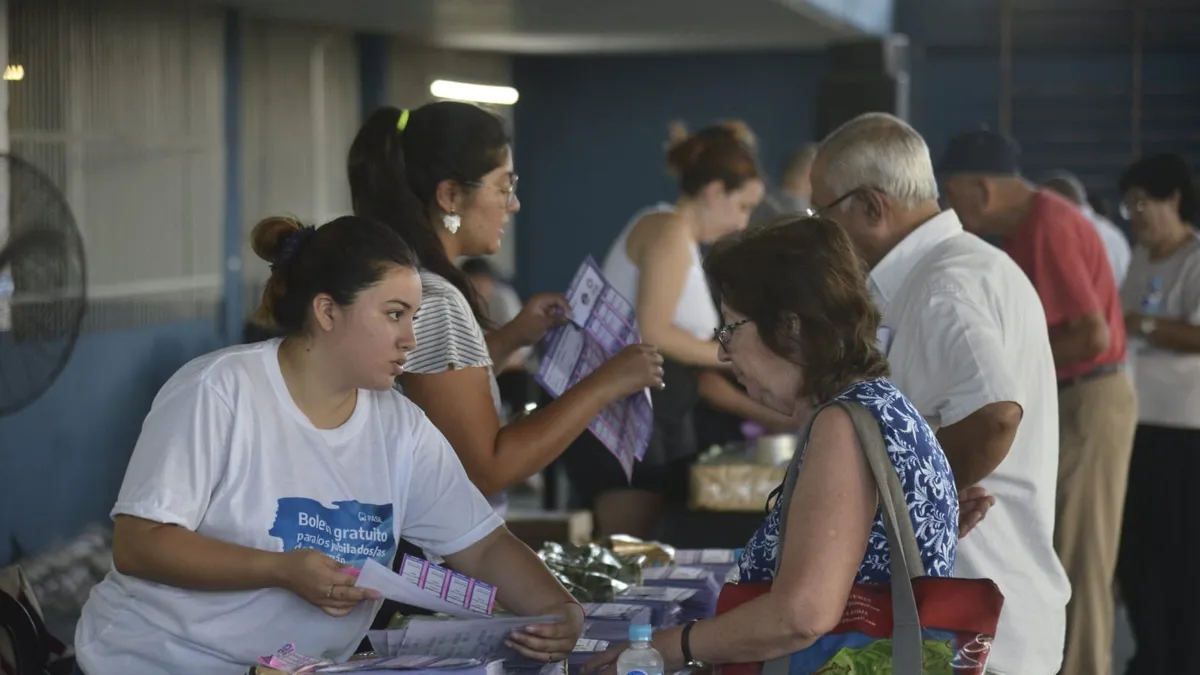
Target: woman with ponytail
{"points": [[442, 176]]}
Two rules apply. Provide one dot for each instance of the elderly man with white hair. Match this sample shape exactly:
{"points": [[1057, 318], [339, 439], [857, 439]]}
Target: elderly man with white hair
{"points": [[966, 340]]}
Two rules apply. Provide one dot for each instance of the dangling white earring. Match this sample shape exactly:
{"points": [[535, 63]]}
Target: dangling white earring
{"points": [[452, 221]]}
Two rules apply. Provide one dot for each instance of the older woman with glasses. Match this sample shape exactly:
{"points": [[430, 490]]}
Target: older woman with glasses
{"points": [[800, 332]]}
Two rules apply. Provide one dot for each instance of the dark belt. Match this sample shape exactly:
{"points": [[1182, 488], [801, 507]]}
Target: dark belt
{"points": [[1098, 371]]}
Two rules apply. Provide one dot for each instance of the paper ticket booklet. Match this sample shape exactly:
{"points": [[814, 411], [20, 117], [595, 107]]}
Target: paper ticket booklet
{"points": [[428, 586], [603, 322]]}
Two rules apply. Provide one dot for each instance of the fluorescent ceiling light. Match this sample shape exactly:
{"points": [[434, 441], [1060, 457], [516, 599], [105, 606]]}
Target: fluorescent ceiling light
{"points": [[475, 93], [14, 73]]}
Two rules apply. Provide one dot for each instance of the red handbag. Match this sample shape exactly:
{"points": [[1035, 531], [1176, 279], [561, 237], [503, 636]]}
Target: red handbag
{"points": [[919, 624]]}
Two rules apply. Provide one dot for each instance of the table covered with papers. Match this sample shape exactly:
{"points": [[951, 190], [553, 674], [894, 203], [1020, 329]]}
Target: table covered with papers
{"points": [[468, 638]]}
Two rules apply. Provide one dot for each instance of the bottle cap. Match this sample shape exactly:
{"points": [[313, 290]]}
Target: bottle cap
{"points": [[640, 632]]}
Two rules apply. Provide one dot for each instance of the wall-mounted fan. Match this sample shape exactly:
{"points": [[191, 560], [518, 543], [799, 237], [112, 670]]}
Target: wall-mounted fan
{"points": [[43, 283]]}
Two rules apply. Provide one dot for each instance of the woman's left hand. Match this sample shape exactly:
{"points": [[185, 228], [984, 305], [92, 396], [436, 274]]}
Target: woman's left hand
{"points": [[543, 312], [550, 642]]}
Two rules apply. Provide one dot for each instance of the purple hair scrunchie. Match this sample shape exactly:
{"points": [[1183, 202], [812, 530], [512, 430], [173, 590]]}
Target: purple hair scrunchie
{"points": [[292, 245]]}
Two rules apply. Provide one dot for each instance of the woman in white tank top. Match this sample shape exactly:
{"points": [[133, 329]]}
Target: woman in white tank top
{"points": [[656, 263]]}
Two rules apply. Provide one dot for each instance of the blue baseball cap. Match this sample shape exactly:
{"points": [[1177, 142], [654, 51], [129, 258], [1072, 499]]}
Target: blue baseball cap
{"points": [[982, 152]]}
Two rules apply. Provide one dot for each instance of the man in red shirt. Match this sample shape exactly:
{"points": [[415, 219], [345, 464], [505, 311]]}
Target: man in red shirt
{"points": [[1064, 257]]}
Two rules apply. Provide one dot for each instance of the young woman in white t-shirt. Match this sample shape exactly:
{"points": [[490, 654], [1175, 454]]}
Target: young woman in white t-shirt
{"points": [[442, 176], [266, 474]]}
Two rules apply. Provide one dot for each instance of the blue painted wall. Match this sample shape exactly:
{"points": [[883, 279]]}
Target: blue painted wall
{"points": [[62, 458], [591, 135], [590, 131], [1071, 100], [374, 55]]}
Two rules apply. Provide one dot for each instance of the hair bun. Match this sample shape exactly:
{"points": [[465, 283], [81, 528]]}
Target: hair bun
{"points": [[682, 148], [741, 132], [677, 133], [269, 236]]}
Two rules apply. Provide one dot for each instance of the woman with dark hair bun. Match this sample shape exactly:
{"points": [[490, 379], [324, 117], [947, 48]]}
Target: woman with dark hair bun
{"points": [[655, 263], [442, 176], [267, 475]]}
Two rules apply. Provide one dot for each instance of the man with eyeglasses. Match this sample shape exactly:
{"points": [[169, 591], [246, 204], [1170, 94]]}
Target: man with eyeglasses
{"points": [[1065, 259], [967, 343]]}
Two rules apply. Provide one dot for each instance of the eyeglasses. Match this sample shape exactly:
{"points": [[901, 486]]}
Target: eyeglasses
{"points": [[813, 212], [724, 333], [1127, 211], [510, 191]]}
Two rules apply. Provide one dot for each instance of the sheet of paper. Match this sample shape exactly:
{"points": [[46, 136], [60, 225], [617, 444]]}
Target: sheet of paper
{"points": [[611, 610], [656, 593], [394, 587], [586, 646], [402, 663], [706, 556], [675, 573], [469, 638], [603, 322]]}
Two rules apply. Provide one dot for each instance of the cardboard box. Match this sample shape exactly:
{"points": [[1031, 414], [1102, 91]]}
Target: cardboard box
{"points": [[733, 487]]}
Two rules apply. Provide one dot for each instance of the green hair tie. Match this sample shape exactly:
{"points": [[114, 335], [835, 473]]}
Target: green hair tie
{"points": [[403, 122]]}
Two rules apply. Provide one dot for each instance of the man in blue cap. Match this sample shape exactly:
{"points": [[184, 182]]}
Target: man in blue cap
{"points": [[1065, 259]]}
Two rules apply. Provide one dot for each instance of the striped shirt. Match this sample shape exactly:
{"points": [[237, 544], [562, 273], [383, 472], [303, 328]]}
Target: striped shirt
{"points": [[449, 337]]}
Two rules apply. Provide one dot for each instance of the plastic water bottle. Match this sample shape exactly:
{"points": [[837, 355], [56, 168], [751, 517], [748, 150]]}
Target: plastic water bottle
{"points": [[1152, 305], [640, 658]]}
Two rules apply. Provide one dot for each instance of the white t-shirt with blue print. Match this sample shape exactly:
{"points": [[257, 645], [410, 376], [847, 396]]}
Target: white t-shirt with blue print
{"points": [[226, 452]]}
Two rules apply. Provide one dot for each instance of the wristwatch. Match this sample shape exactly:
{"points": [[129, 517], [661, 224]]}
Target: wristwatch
{"points": [[686, 647]]}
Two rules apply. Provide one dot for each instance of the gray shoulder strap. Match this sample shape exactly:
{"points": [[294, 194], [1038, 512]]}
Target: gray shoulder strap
{"points": [[906, 562]]}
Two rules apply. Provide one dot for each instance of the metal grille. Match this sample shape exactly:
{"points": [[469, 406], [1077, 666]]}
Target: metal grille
{"points": [[1125, 91], [121, 106]]}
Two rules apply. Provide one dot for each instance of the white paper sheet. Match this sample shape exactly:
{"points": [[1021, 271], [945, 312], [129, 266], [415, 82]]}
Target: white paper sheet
{"points": [[656, 593], [468, 638], [675, 573], [706, 556]]}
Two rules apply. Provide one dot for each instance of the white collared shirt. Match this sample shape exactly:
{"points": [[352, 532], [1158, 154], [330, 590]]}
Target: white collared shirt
{"points": [[1115, 244], [963, 328]]}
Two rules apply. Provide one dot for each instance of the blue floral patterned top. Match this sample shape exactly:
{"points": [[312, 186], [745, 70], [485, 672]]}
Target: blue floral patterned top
{"points": [[928, 488]]}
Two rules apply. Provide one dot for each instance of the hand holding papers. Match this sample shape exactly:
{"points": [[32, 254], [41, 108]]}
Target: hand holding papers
{"points": [[422, 584], [602, 324]]}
